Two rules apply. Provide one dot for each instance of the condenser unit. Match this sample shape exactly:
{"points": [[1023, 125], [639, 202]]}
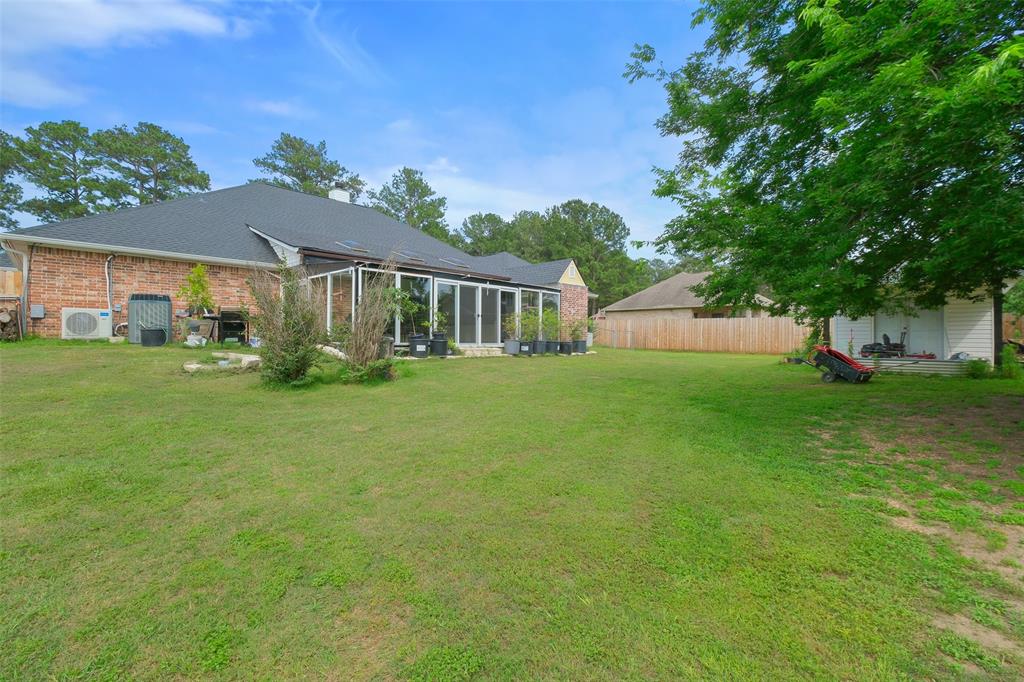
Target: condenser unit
{"points": [[85, 323]]}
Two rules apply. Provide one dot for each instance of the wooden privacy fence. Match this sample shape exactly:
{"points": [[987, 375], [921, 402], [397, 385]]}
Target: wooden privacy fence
{"points": [[10, 283], [1013, 326], [728, 335]]}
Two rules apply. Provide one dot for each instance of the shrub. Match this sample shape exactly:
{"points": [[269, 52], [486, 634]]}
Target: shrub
{"points": [[290, 324], [530, 323], [550, 325], [578, 330], [510, 326], [1010, 367], [978, 369], [377, 307], [378, 370]]}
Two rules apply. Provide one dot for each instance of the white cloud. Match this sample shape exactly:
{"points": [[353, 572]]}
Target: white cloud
{"points": [[442, 165], [27, 88], [283, 108], [344, 50], [31, 29]]}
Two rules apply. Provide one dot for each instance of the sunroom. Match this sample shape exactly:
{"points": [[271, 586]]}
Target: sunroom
{"points": [[473, 307]]}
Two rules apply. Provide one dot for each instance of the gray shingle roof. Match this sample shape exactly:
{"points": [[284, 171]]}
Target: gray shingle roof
{"points": [[673, 292], [540, 274], [5, 261], [217, 225]]}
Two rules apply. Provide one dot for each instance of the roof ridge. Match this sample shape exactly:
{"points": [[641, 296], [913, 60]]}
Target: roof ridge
{"points": [[79, 219]]}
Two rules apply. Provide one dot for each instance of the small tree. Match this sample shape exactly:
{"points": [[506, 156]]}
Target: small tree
{"points": [[551, 326], [529, 322], [290, 324], [196, 290], [510, 326]]}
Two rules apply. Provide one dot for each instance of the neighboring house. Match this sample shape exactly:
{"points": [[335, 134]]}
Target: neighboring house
{"points": [[672, 299], [97, 261], [960, 326]]}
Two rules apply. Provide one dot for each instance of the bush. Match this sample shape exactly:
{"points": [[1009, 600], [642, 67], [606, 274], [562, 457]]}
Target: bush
{"points": [[978, 369], [290, 324], [378, 370], [377, 307], [1010, 368]]}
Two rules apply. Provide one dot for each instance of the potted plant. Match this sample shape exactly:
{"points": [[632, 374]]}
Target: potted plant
{"points": [[577, 330], [530, 324], [550, 326], [510, 330], [196, 294], [439, 341]]}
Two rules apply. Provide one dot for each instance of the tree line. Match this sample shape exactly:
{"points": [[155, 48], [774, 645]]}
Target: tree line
{"points": [[76, 173]]}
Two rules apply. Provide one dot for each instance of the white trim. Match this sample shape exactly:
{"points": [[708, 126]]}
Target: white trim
{"points": [[286, 252], [131, 251]]}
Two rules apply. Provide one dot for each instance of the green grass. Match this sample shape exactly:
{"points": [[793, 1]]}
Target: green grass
{"points": [[625, 515]]}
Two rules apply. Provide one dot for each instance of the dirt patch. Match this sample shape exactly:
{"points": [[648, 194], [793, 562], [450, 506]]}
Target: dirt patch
{"points": [[987, 637]]}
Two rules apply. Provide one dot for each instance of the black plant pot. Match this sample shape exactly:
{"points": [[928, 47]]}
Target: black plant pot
{"points": [[526, 348], [539, 347], [565, 347], [418, 345], [439, 345], [552, 346], [579, 346]]}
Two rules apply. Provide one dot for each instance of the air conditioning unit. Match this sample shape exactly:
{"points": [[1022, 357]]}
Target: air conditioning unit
{"points": [[85, 323]]}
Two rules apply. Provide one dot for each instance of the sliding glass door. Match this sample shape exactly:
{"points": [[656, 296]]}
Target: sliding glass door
{"points": [[469, 310], [490, 325]]}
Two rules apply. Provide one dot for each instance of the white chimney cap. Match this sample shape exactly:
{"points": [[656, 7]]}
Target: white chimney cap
{"points": [[339, 194]]}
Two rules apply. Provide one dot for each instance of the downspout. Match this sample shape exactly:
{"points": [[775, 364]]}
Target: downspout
{"points": [[109, 280], [26, 269]]}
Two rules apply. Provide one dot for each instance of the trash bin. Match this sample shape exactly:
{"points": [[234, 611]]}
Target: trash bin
{"points": [[153, 337]]}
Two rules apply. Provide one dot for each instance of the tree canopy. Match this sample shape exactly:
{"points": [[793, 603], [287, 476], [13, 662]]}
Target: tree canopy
{"points": [[10, 191], [592, 234], [298, 164], [407, 197], [848, 155], [60, 159], [146, 164]]}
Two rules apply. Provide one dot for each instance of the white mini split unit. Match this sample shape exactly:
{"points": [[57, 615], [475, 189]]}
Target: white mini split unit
{"points": [[85, 323]]}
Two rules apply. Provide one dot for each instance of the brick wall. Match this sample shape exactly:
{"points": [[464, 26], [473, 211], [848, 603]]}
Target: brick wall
{"points": [[61, 277], [573, 303]]}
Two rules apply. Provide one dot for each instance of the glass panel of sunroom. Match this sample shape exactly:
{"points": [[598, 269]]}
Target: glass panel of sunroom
{"points": [[550, 305], [415, 321], [446, 306], [467, 313], [508, 311], [318, 292], [489, 320], [341, 298]]}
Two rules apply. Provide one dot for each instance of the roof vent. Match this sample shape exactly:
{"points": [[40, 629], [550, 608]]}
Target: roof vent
{"points": [[339, 193]]}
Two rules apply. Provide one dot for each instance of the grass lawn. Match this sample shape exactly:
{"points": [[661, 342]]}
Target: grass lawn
{"points": [[618, 516]]}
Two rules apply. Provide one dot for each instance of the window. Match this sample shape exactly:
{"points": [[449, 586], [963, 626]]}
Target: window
{"points": [[366, 276], [446, 306], [341, 299], [318, 291], [418, 289]]}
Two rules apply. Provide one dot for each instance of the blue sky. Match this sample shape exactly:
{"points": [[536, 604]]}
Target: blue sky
{"points": [[504, 106]]}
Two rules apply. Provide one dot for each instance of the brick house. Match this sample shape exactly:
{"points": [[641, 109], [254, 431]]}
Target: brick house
{"points": [[98, 261]]}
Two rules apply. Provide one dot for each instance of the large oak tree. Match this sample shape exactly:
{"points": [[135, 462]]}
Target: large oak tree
{"points": [[849, 155]]}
